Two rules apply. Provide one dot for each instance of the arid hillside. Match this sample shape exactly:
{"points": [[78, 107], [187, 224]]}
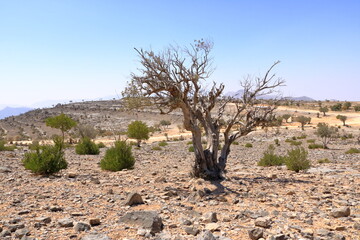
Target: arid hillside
{"points": [[158, 199]]}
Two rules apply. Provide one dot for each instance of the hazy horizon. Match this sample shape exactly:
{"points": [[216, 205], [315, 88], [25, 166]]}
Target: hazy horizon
{"points": [[71, 50]]}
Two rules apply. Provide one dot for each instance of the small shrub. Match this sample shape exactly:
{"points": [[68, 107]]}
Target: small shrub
{"points": [[191, 149], [277, 142], [235, 143], [34, 145], [324, 160], [295, 143], [189, 143], [315, 146], [163, 144], [302, 137], [296, 160], [6, 148], [101, 145], [293, 138], [352, 150], [45, 160], [248, 145], [156, 148], [271, 159], [118, 157], [310, 141], [87, 147]]}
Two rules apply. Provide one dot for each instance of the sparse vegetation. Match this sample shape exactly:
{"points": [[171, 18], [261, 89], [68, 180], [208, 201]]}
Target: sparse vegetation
{"points": [[286, 117], [270, 158], [87, 147], [352, 151], [62, 122], [346, 106], [315, 146], [296, 159], [138, 130], [101, 145], [156, 148], [3, 146], [324, 160], [118, 157], [191, 149], [325, 132], [165, 124], [46, 160], [336, 107], [248, 145], [342, 118], [324, 110], [303, 121], [162, 144]]}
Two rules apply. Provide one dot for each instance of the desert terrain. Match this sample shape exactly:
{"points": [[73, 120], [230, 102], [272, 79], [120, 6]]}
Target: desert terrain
{"points": [[253, 202]]}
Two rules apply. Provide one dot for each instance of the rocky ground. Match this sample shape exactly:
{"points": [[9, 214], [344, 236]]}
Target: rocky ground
{"points": [[85, 202]]}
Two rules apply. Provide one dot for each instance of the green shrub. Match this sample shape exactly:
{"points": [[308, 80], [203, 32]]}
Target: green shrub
{"points": [[271, 159], [302, 137], [191, 149], [352, 150], [293, 138], [87, 147], [138, 130], [235, 143], [163, 144], [45, 160], [324, 160], [156, 148], [189, 143], [6, 148], [315, 146], [118, 157], [34, 145], [248, 145], [101, 145], [295, 143], [310, 141], [296, 159]]}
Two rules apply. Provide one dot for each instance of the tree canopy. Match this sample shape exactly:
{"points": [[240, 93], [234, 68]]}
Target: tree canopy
{"points": [[176, 79]]}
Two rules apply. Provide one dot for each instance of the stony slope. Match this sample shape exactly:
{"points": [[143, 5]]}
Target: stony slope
{"points": [[274, 201]]}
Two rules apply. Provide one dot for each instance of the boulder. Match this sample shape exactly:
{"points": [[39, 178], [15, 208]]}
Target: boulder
{"points": [[144, 219]]}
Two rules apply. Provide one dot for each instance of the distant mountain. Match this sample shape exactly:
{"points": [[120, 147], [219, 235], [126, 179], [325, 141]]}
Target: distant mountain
{"points": [[13, 111], [303, 98], [239, 93]]}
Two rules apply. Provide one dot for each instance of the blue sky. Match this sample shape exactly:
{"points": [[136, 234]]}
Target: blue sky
{"points": [[72, 49]]}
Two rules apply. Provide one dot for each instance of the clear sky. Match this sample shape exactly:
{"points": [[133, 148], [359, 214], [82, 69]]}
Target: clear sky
{"points": [[73, 49]]}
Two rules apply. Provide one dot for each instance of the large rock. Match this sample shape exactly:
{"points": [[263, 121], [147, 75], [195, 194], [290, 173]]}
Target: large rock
{"points": [[144, 219], [264, 222], [256, 233], [5, 170], [340, 212], [207, 235], [80, 227], [65, 222], [210, 217], [94, 236], [133, 199]]}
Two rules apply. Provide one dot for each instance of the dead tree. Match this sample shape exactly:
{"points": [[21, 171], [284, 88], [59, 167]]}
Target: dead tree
{"points": [[175, 79]]}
